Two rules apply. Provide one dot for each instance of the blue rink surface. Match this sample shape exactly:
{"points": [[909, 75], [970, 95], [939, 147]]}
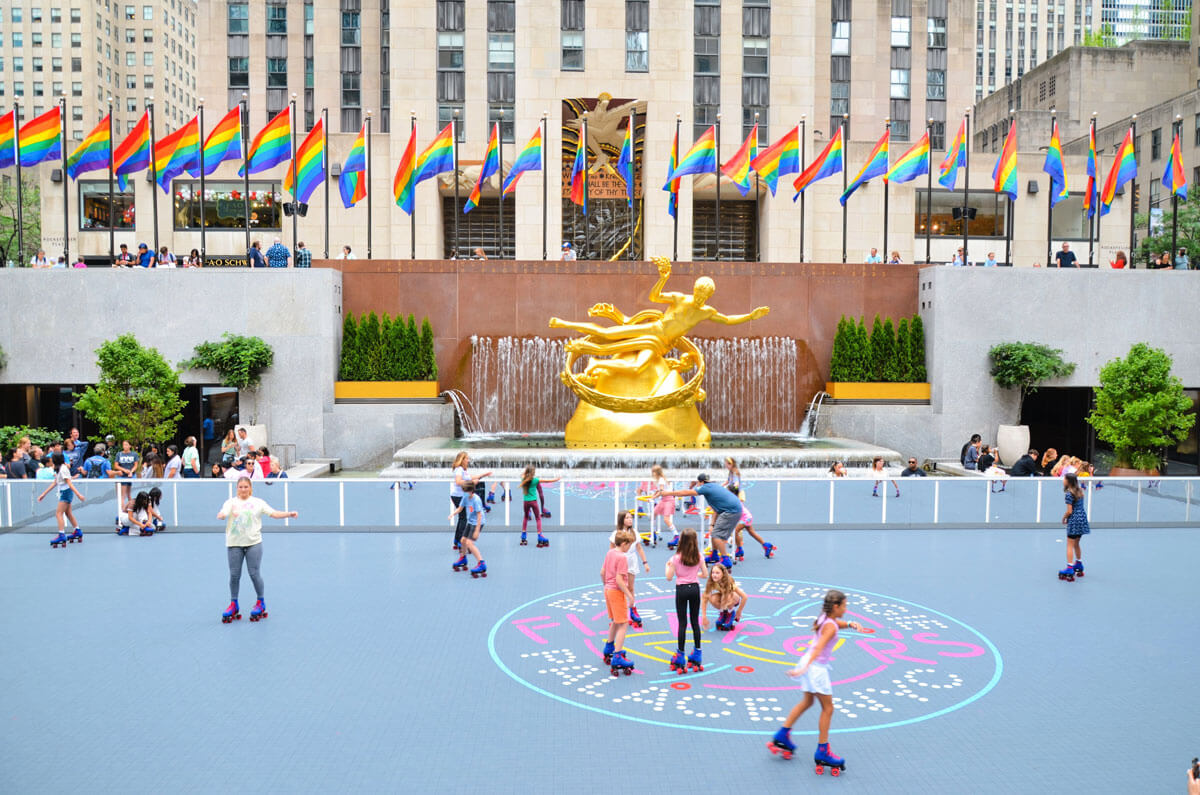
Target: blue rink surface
{"points": [[381, 670]]}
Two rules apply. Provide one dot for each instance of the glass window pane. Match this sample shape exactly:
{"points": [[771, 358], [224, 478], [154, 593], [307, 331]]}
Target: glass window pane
{"points": [[93, 203], [224, 206]]}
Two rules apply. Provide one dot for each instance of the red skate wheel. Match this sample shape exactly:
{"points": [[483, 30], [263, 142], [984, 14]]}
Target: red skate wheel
{"points": [[835, 772], [820, 770]]}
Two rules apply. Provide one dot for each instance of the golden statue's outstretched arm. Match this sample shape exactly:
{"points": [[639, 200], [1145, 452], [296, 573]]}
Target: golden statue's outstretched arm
{"points": [[733, 320], [664, 273]]}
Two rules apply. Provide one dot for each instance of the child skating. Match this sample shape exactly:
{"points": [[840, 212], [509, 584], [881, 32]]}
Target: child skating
{"points": [[139, 514], [746, 522], [878, 471], [243, 543], [812, 675], [636, 550], [722, 593], [530, 485], [617, 598], [687, 567], [473, 505], [665, 507], [65, 486], [1076, 521]]}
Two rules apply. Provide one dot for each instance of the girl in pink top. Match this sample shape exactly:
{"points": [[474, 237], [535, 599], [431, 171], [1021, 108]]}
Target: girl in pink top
{"points": [[687, 567], [812, 675]]}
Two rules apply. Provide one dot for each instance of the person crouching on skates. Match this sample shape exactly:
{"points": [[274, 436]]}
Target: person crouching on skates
{"points": [[473, 505], [243, 543], [1076, 521], [746, 522], [636, 550], [530, 486], [64, 484], [688, 567], [618, 598], [812, 675], [723, 593]]}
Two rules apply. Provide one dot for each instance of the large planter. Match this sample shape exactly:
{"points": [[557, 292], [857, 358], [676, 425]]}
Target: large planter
{"points": [[874, 392], [1125, 472], [1012, 442], [385, 390]]}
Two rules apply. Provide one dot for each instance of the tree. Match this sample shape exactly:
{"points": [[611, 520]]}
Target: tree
{"points": [[839, 359], [917, 350], [412, 349], [428, 370], [31, 217], [891, 364], [1140, 407], [1101, 38], [882, 344], [349, 368], [1025, 365], [1188, 231], [370, 342], [389, 344], [240, 361], [904, 368], [862, 353], [137, 397]]}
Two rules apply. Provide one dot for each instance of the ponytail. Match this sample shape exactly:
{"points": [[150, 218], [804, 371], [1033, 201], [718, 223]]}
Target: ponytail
{"points": [[527, 477], [833, 598]]}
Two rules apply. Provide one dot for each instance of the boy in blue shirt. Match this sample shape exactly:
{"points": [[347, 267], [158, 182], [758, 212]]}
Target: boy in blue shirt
{"points": [[473, 505]]}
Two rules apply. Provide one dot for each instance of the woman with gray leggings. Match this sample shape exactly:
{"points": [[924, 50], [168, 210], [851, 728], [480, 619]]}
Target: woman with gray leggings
{"points": [[243, 543]]}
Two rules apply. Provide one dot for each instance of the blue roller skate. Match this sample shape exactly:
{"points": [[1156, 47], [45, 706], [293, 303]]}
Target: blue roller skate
{"points": [[725, 620], [479, 571], [739, 555], [726, 561], [460, 564], [259, 611], [694, 661], [159, 525], [620, 665], [674, 542], [679, 663], [1067, 574], [524, 541], [635, 619], [542, 541], [823, 757], [122, 530], [712, 558], [769, 550], [1078, 568], [59, 540], [231, 613], [781, 743], [608, 652], [76, 536]]}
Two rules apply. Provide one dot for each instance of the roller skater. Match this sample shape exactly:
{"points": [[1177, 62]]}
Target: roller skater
{"points": [[1076, 521], [531, 488], [617, 598], [812, 676], [665, 507], [231, 613], [878, 470], [243, 539], [679, 662], [694, 661], [479, 571], [458, 493], [726, 506], [636, 550], [746, 524], [722, 593], [473, 505], [138, 515], [686, 568], [65, 485], [259, 611]]}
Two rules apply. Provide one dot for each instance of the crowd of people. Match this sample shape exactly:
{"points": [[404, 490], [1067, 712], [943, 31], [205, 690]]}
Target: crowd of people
{"points": [[277, 256]]}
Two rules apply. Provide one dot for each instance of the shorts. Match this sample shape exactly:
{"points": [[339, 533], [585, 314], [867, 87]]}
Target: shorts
{"points": [[1076, 537], [67, 496], [815, 679], [724, 525], [665, 507], [472, 531], [618, 611]]}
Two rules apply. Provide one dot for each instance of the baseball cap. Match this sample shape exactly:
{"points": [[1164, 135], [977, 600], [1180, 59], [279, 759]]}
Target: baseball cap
{"points": [[702, 477], [566, 245], [141, 246]]}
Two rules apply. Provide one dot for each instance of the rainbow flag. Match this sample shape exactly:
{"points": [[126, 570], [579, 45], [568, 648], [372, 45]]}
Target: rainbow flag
{"points": [[223, 143], [177, 153], [133, 155], [1124, 168], [491, 165], [272, 145], [672, 186], [828, 163], [876, 165], [781, 157], [579, 173], [352, 184], [912, 164], [530, 159], [40, 139], [700, 159], [1005, 172], [438, 157], [1054, 167], [8, 139], [310, 162], [1173, 178], [93, 153], [1089, 201], [956, 157], [625, 162], [738, 167], [403, 185]]}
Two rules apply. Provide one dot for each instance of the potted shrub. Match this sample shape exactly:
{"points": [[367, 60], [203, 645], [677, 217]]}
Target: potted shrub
{"points": [[1140, 409], [386, 358], [240, 362], [880, 367], [1023, 366]]}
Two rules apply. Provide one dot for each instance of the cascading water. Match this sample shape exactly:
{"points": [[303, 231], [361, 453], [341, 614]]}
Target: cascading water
{"points": [[750, 383]]}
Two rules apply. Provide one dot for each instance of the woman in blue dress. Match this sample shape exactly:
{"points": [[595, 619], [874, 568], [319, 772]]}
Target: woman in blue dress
{"points": [[1076, 521]]}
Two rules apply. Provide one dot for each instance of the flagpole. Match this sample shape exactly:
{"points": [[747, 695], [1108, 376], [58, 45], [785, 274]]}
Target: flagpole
{"points": [[587, 233], [200, 113], [966, 182], [928, 190], [1175, 196], [803, 166], [325, 171], [1093, 217], [368, 169], [154, 179], [245, 170], [887, 126], [20, 198], [545, 180], [62, 152], [1008, 204], [296, 177], [845, 123], [412, 217], [675, 218], [1133, 196], [757, 205], [500, 176], [717, 177], [454, 133], [632, 175], [1050, 196], [112, 222]]}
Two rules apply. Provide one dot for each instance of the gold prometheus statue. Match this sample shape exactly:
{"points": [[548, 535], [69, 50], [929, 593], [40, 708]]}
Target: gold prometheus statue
{"points": [[632, 392]]}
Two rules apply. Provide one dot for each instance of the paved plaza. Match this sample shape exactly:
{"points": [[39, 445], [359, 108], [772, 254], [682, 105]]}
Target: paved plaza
{"points": [[379, 669]]}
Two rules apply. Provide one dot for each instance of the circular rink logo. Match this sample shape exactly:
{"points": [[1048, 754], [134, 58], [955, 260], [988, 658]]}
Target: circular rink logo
{"points": [[918, 663]]}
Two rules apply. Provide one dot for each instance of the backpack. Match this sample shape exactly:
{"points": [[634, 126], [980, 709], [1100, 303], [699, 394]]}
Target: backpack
{"points": [[95, 467]]}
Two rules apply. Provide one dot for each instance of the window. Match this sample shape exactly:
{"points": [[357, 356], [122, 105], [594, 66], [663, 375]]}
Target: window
{"points": [[18, 64], [839, 93], [148, 81], [77, 89], [76, 15], [18, 39], [277, 73], [500, 52], [36, 39], [1196, 134], [935, 84], [446, 115], [76, 113], [55, 14], [39, 89], [76, 40], [224, 205], [572, 51], [450, 51], [754, 56], [1156, 144], [937, 136], [239, 72], [507, 128], [131, 59], [989, 209], [147, 59], [703, 117], [901, 32], [18, 89], [351, 89], [351, 31], [2, 94], [147, 12], [308, 19], [131, 105], [239, 18], [937, 32], [276, 19], [130, 12], [37, 64], [708, 55], [841, 38], [148, 36], [900, 83], [17, 14], [56, 41], [35, 14], [637, 36], [900, 130]]}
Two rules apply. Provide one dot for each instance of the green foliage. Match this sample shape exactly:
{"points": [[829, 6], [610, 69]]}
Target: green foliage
{"points": [[1025, 365], [370, 345], [11, 434], [917, 350], [839, 360], [31, 217], [428, 356], [411, 350], [880, 349], [903, 352], [390, 333], [349, 367], [1188, 232], [861, 369], [386, 348], [1140, 407], [3, 359], [891, 358], [1101, 38], [137, 397], [887, 354], [240, 361]]}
